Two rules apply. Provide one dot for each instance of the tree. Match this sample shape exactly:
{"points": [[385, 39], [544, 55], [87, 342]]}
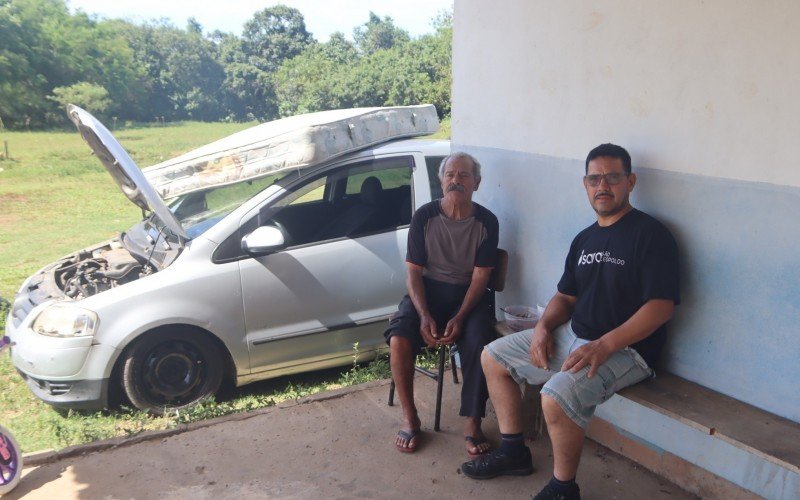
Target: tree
{"points": [[314, 80], [433, 55], [44, 47], [49, 57], [193, 26], [182, 74], [274, 35], [92, 98], [21, 83], [249, 93], [338, 75], [378, 34], [28, 57]]}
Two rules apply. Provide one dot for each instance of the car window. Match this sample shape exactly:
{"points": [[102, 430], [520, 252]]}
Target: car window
{"points": [[309, 193], [200, 210], [354, 200], [390, 178], [432, 163]]}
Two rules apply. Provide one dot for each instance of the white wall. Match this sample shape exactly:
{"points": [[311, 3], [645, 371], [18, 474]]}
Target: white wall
{"points": [[704, 94], [705, 87]]}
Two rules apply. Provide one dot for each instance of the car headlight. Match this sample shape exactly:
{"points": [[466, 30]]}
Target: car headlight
{"points": [[65, 321]]}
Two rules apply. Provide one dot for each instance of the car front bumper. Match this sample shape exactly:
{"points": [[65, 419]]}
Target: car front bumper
{"points": [[63, 372], [78, 394]]}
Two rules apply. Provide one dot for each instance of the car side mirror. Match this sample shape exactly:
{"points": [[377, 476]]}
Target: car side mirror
{"points": [[263, 240]]}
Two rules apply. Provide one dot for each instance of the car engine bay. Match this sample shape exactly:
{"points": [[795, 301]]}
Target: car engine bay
{"points": [[87, 273]]}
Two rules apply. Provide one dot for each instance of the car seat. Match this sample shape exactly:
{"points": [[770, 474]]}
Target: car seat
{"points": [[364, 216]]}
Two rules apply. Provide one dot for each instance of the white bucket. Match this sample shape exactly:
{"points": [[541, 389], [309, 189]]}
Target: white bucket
{"points": [[520, 318]]}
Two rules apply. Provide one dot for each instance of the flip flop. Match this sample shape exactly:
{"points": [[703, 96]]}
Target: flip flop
{"points": [[408, 436], [475, 442]]}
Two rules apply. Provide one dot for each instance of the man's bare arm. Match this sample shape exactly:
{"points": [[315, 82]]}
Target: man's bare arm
{"points": [[475, 292], [558, 312], [642, 324], [416, 292]]}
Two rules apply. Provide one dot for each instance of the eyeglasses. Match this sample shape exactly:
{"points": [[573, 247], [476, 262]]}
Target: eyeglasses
{"points": [[612, 179]]}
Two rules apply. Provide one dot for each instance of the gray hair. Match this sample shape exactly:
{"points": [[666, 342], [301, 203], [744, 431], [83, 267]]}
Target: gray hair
{"points": [[476, 167]]}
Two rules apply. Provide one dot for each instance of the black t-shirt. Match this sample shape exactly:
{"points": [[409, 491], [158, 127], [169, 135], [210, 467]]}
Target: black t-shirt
{"points": [[449, 249], [614, 270]]}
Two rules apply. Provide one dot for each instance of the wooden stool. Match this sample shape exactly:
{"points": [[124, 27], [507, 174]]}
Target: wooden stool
{"points": [[438, 377]]}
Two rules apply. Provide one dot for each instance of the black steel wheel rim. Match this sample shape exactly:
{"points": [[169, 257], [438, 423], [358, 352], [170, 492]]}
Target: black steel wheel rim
{"points": [[173, 373]]}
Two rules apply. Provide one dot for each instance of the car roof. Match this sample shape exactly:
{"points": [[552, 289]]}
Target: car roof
{"points": [[428, 147]]}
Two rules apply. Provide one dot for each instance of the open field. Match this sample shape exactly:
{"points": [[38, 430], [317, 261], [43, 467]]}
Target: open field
{"points": [[56, 198]]}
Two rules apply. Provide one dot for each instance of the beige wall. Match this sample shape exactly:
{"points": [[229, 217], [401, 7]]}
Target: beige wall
{"points": [[704, 87]]}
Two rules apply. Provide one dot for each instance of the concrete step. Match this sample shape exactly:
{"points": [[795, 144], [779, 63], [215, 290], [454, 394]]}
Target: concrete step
{"points": [[708, 443]]}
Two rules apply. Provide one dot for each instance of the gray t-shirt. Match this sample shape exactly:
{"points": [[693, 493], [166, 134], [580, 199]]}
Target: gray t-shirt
{"points": [[449, 249]]}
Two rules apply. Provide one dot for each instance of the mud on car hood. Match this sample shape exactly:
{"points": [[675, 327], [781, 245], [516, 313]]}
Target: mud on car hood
{"points": [[122, 168]]}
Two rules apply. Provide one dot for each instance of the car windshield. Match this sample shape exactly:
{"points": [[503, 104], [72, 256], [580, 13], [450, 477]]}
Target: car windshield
{"points": [[200, 210]]}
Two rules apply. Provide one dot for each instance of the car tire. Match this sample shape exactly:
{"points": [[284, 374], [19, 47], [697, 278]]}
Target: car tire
{"points": [[170, 370]]}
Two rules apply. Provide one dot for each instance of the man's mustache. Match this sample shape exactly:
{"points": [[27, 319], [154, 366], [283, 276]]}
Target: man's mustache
{"points": [[455, 187]]}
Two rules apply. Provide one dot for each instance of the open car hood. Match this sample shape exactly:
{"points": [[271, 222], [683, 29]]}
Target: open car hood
{"points": [[296, 142], [122, 168]]}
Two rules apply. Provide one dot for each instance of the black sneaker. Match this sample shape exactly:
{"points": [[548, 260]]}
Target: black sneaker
{"points": [[496, 463], [549, 492]]}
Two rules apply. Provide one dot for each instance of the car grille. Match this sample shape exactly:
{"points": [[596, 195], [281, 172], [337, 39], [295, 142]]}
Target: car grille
{"points": [[57, 388], [53, 388]]}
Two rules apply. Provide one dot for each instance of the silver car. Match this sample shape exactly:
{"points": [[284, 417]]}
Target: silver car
{"points": [[276, 251]]}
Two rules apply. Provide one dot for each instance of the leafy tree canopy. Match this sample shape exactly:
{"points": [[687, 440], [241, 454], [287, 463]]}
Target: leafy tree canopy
{"points": [[274, 35], [378, 34], [92, 98], [50, 57]]}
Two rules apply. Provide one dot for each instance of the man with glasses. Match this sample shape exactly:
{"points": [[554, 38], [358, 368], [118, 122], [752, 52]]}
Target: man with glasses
{"points": [[601, 331]]}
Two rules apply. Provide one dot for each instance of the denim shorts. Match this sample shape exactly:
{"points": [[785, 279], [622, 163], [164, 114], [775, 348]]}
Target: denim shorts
{"points": [[577, 394]]}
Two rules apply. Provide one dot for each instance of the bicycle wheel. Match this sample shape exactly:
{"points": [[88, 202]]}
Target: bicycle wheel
{"points": [[10, 461]]}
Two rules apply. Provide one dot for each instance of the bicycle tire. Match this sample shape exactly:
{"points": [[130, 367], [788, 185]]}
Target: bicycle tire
{"points": [[10, 461]]}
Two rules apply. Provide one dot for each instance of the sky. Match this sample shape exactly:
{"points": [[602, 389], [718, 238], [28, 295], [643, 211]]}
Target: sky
{"points": [[322, 17]]}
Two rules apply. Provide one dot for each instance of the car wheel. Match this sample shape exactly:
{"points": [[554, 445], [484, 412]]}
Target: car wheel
{"points": [[171, 370]]}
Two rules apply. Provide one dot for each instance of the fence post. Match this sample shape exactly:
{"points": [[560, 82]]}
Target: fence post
{"points": [[5, 147]]}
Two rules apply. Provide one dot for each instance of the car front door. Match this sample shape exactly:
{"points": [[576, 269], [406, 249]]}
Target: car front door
{"points": [[341, 272]]}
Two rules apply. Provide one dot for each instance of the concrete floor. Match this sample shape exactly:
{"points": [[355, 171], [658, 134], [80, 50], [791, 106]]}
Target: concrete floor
{"points": [[332, 446]]}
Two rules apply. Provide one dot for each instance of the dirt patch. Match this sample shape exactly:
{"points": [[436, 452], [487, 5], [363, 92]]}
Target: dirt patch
{"points": [[8, 221], [13, 198]]}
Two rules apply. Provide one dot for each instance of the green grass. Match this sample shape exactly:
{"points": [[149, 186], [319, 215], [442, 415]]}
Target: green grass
{"points": [[56, 198], [444, 130]]}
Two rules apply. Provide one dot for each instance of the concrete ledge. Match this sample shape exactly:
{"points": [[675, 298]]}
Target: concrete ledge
{"points": [[707, 443], [672, 467]]}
